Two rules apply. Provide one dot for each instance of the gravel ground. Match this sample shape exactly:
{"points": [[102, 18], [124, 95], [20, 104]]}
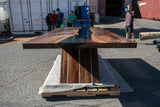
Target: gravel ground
{"points": [[22, 72]]}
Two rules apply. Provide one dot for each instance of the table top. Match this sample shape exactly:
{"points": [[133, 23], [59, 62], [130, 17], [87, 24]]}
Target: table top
{"points": [[77, 37]]}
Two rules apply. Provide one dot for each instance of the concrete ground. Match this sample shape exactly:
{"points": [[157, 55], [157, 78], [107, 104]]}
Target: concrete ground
{"points": [[22, 72]]}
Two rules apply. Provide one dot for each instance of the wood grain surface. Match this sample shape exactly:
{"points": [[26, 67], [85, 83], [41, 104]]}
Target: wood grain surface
{"points": [[64, 67], [81, 67], [69, 37]]}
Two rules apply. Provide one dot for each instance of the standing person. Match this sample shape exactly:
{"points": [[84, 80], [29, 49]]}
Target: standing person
{"points": [[71, 19], [54, 19], [60, 17], [129, 22], [49, 21]]}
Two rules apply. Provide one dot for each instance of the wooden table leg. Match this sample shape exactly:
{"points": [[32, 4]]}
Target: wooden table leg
{"points": [[79, 66]]}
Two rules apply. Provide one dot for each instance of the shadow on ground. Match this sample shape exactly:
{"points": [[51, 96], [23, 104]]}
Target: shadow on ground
{"points": [[111, 20], [16, 39], [141, 76]]}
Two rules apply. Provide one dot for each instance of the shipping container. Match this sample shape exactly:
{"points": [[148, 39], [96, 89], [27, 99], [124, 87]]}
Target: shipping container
{"points": [[156, 13], [3, 14], [2, 19], [149, 9], [29, 16]]}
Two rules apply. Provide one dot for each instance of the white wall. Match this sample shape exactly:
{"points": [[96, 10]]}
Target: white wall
{"points": [[3, 15], [30, 15], [3, 10], [6, 11]]}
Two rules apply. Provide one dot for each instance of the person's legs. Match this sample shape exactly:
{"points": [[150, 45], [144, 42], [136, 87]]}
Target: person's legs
{"points": [[69, 24], [133, 36], [49, 27], [127, 32], [127, 35], [53, 25], [59, 24]]}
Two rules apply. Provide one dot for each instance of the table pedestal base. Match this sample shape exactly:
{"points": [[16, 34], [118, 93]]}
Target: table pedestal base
{"points": [[108, 84], [79, 66]]}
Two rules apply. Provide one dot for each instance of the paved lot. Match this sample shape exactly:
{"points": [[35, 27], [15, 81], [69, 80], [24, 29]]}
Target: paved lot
{"points": [[22, 72]]}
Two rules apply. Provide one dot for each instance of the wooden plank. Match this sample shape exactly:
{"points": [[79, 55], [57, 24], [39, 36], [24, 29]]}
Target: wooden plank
{"points": [[95, 66], [70, 38], [115, 92], [63, 78], [87, 67], [149, 35], [73, 76], [85, 63]]}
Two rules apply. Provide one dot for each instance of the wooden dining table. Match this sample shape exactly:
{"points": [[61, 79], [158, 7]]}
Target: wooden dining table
{"points": [[79, 63]]}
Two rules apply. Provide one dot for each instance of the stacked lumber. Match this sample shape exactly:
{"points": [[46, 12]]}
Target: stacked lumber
{"points": [[149, 35]]}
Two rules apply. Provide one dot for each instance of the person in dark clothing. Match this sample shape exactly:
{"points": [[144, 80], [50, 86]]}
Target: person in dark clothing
{"points": [[60, 17], [129, 22], [49, 21]]}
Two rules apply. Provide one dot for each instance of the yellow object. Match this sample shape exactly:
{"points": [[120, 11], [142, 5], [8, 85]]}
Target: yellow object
{"points": [[37, 19]]}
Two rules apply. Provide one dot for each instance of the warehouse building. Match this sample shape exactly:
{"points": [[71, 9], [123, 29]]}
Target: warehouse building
{"points": [[112, 7]]}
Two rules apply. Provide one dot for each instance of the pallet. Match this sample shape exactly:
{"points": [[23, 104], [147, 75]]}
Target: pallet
{"points": [[86, 92], [52, 85]]}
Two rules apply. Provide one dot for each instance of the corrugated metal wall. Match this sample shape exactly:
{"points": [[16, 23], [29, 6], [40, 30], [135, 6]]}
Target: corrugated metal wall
{"points": [[30, 15], [149, 9]]}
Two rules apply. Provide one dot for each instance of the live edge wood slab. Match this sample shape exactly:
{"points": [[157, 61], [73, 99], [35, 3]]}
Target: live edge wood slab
{"points": [[79, 62], [70, 38]]}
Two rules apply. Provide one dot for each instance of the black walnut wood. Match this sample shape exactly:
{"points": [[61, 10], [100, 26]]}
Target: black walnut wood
{"points": [[70, 38], [79, 50], [81, 66]]}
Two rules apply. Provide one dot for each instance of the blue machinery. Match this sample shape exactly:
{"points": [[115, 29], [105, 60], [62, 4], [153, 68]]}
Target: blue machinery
{"points": [[83, 20], [83, 16]]}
